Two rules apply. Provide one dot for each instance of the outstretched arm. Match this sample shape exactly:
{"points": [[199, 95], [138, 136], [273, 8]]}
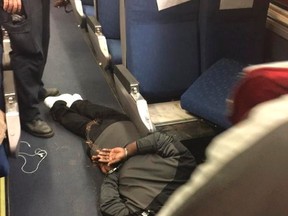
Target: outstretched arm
{"points": [[157, 143]]}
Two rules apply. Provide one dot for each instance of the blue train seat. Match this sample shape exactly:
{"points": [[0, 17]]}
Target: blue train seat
{"points": [[108, 16], [104, 32], [88, 7], [206, 97], [160, 58], [231, 36], [161, 47], [234, 32]]}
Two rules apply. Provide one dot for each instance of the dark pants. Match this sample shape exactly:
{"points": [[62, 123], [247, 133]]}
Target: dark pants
{"points": [[76, 118], [29, 42]]}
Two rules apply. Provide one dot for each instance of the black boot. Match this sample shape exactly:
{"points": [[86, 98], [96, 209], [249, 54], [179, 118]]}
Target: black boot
{"points": [[39, 128], [48, 92]]}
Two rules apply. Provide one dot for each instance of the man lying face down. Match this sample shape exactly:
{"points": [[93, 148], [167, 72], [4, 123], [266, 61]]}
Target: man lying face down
{"points": [[141, 172]]}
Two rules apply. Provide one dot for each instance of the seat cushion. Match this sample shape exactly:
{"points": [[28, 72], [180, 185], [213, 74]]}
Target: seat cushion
{"points": [[206, 97], [108, 16], [88, 10], [114, 47], [87, 2]]}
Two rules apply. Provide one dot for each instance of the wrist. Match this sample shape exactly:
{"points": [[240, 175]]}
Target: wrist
{"points": [[130, 150], [126, 153]]}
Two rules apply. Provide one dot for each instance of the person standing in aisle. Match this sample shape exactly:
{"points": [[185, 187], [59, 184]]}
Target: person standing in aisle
{"points": [[28, 26]]}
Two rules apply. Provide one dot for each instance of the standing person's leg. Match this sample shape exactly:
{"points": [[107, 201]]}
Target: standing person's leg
{"points": [[45, 92], [28, 59], [45, 30]]}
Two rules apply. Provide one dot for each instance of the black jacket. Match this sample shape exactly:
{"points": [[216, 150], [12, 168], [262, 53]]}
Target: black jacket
{"points": [[146, 180]]}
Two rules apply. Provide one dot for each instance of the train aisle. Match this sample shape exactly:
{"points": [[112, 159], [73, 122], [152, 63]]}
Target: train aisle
{"points": [[54, 176]]}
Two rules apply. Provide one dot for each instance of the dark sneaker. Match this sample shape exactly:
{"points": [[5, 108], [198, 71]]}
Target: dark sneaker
{"points": [[38, 128], [48, 92]]}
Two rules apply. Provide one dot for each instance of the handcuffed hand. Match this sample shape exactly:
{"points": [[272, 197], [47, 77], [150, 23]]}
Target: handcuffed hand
{"points": [[111, 156]]}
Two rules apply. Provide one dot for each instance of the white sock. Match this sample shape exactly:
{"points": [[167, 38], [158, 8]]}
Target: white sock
{"points": [[75, 97], [49, 101]]}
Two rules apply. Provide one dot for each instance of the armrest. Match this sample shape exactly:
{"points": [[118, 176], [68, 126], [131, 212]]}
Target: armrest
{"points": [[12, 113], [93, 23], [10, 97], [127, 79], [135, 106], [98, 41], [6, 50], [78, 12]]}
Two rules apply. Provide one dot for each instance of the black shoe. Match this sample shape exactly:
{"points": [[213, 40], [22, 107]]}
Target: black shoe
{"points": [[39, 128], [48, 92]]}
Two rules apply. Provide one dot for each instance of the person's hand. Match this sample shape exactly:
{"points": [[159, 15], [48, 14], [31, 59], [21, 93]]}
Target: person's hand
{"points": [[102, 156], [103, 163], [2, 126], [116, 155], [111, 156], [12, 6]]}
